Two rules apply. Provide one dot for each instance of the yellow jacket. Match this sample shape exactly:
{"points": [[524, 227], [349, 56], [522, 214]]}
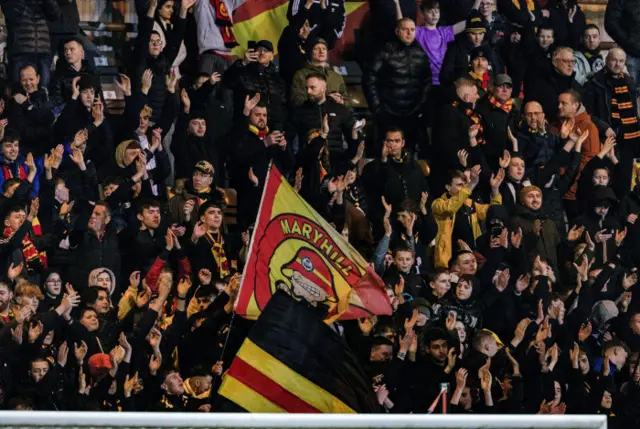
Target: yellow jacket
{"points": [[444, 211]]}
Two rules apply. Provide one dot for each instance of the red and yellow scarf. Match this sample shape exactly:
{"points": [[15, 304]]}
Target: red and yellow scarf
{"points": [[258, 132], [223, 21], [219, 255], [475, 120], [34, 259], [505, 107], [8, 174]]}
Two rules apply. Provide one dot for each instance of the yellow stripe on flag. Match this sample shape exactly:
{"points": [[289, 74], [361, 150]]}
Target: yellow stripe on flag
{"points": [[290, 380], [269, 26], [246, 397]]}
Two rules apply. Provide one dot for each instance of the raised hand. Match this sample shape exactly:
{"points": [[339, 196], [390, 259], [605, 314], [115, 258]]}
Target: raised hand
{"points": [[124, 84], [147, 78], [204, 276], [505, 159], [250, 103], [80, 352]]}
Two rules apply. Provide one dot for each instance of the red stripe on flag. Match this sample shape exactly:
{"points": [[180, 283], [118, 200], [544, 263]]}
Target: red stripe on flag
{"points": [[253, 8], [255, 380]]}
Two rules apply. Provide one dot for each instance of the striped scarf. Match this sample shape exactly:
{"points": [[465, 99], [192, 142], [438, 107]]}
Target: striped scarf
{"points": [[623, 115], [258, 132], [8, 174], [34, 259], [474, 117], [223, 21], [506, 106], [219, 255]]}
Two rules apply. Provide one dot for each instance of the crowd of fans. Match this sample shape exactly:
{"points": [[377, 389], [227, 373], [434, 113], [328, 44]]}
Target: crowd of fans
{"points": [[494, 188]]}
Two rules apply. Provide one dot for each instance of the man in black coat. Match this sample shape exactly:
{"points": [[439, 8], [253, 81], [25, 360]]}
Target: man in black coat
{"points": [[622, 22], [68, 67], [28, 31], [30, 112], [256, 73], [192, 143], [396, 86], [546, 87], [326, 114], [252, 147], [498, 114]]}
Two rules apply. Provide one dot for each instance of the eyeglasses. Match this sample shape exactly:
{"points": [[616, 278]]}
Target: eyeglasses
{"points": [[155, 42], [567, 61]]}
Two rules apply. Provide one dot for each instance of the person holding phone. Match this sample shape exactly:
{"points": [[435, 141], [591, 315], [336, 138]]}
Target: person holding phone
{"points": [[256, 73]]}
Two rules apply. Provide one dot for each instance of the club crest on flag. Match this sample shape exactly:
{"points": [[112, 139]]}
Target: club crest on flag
{"points": [[295, 250]]}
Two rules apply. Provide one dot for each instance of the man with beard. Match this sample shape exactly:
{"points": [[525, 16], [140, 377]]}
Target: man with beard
{"points": [[434, 365], [539, 234], [253, 147], [575, 117], [257, 73], [6, 295], [323, 112]]}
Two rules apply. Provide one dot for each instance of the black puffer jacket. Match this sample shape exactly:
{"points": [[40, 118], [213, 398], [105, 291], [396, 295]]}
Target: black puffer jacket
{"points": [[252, 78], [398, 79], [622, 22], [27, 25]]}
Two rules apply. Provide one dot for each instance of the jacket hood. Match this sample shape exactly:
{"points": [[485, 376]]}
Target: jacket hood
{"points": [[497, 213], [602, 193], [120, 151], [601, 313], [93, 278]]}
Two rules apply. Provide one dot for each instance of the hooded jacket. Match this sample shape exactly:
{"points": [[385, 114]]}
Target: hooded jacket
{"points": [[444, 212]]}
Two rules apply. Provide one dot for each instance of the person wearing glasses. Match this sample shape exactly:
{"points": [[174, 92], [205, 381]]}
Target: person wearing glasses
{"points": [[150, 55], [546, 87]]}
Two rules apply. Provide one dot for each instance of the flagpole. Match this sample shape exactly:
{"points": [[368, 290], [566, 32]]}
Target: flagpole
{"points": [[253, 237]]}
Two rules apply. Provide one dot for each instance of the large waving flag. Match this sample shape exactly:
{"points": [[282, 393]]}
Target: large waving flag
{"points": [[294, 249], [266, 19], [291, 362]]}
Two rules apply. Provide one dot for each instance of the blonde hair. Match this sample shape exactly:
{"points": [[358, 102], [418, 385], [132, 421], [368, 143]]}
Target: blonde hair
{"points": [[146, 111]]}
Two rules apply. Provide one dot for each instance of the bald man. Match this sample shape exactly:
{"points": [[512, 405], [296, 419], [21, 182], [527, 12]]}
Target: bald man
{"points": [[535, 141], [610, 97], [600, 92]]}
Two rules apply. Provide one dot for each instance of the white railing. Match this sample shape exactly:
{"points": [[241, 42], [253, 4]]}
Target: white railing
{"points": [[65, 419]]}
